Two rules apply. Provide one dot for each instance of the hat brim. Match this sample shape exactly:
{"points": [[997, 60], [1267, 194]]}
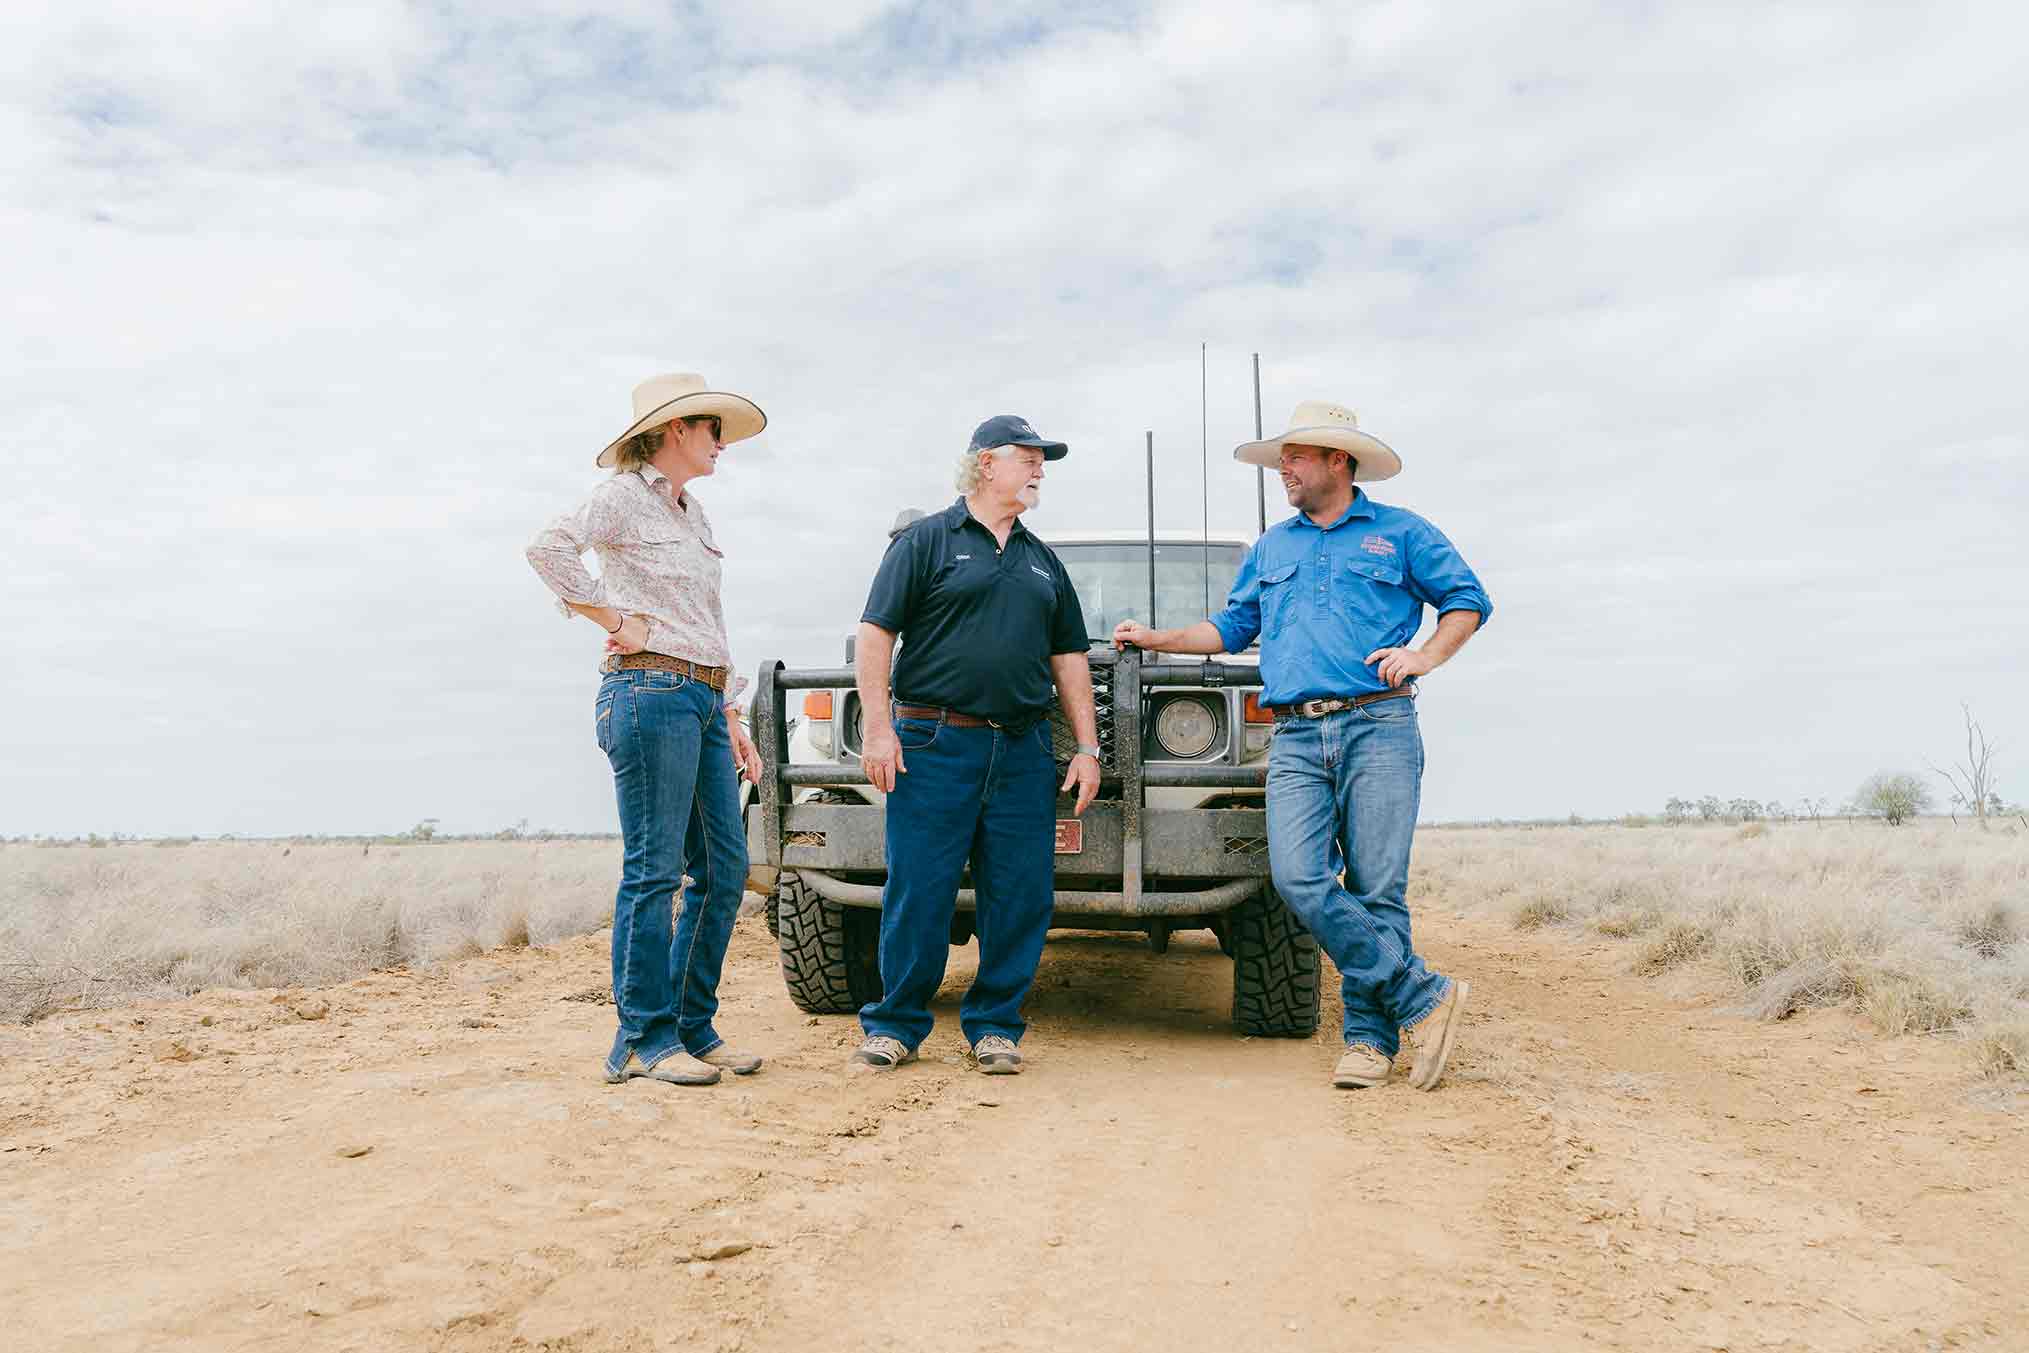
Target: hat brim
{"points": [[739, 418], [1050, 450], [1373, 459]]}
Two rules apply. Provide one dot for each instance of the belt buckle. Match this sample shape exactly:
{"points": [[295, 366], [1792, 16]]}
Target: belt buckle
{"points": [[1312, 709]]}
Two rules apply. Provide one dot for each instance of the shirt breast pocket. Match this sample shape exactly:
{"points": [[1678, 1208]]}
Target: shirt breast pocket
{"points": [[1278, 600], [1371, 590]]}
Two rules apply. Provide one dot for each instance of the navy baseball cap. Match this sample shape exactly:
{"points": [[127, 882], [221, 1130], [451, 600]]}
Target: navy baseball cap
{"points": [[1010, 430]]}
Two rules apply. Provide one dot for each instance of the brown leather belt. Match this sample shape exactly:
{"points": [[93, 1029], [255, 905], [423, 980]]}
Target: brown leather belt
{"points": [[940, 715], [714, 677], [1332, 704]]}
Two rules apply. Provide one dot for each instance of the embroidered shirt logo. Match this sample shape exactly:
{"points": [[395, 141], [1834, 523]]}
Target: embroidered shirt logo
{"points": [[964, 557], [1380, 545], [1039, 572]]}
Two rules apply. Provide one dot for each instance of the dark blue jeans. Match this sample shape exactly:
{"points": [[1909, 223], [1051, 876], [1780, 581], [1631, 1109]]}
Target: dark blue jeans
{"points": [[679, 798], [979, 796], [1343, 792]]}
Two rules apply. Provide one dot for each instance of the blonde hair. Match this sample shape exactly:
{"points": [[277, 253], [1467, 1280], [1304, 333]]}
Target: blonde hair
{"points": [[969, 467], [639, 449]]}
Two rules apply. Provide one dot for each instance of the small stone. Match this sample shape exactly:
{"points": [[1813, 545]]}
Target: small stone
{"points": [[701, 1269], [728, 1250], [206, 1021], [169, 1050], [1054, 1241], [474, 1022], [353, 1152], [987, 1103], [310, 1009], [603, 1207]]}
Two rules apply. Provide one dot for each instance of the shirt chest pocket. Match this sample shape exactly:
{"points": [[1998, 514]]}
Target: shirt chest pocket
{"points": [[1370, 589], [1278, 600]]}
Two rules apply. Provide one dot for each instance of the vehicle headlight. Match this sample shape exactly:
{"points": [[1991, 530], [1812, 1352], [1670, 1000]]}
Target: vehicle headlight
{"points": [[1186, 727], [859, 726]]}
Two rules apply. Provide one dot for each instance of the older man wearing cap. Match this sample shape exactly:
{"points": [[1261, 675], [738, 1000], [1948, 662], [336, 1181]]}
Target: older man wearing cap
{"points": [[1336, 594], [961, 746]]}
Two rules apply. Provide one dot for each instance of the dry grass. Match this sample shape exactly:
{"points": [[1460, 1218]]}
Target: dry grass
{"points": [[1921, 929], [82, 928]]}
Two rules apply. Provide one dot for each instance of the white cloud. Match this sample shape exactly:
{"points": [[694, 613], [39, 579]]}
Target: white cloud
{"points": [[1698, 329]]}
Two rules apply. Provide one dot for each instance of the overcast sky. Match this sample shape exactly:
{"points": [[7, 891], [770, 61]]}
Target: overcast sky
{"points": [[1700, 329]]}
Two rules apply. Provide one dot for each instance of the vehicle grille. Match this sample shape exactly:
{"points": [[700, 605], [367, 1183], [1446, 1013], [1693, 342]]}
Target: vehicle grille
{"points": [[1064, 742]]}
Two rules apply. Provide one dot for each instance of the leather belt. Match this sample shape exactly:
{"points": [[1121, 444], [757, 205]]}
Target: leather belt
{"points": [[714, 677], [1332, 704], [941, 715]]}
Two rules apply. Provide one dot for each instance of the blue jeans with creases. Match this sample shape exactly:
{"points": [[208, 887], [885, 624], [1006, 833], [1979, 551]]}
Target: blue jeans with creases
{"points": [[988, 798], [679, 795], [1343, 792]]}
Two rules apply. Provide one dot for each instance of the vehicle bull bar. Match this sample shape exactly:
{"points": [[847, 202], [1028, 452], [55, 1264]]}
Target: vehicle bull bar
{"points": [[1197, 843]]}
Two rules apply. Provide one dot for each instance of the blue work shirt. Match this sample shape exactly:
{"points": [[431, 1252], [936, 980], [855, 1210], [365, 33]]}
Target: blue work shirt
{"points": [[1323, 598]]}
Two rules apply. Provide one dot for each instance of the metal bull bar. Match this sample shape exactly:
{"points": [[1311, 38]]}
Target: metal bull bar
{"points": [[1131, 674]]}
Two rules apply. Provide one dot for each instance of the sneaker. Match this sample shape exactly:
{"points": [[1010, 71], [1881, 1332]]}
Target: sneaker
{"points": [[881, 1053], [678, 1068], [997, 1056], [1435, 1035], [739, 1063], [1362, 1068]]}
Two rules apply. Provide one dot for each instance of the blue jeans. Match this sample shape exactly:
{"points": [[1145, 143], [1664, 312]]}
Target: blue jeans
{"points": [[1343, 792], [679, 798], [979, 796]]}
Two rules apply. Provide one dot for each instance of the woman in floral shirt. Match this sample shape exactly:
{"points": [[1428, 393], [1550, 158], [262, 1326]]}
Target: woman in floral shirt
{"points": [[667, 719]]}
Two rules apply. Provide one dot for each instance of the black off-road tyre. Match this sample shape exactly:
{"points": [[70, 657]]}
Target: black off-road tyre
{"points": [[1275, 970], [830, 954]]}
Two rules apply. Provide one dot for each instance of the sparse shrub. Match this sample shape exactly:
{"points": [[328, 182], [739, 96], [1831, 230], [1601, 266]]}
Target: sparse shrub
{"points": [[1625, 923], [2002, 1050], [1540, 909], [1894, 796], [1678, 944], [1751, 830]]}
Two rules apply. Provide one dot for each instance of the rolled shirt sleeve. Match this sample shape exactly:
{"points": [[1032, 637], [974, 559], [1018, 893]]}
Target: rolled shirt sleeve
{"points": [[1440, 578], [1240, 623], [557, 552]]}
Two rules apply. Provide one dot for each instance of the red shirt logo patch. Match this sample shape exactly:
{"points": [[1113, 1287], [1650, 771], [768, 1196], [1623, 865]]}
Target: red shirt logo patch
{"points": [[1380, 545]]}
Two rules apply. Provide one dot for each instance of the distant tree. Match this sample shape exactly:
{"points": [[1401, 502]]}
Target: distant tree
{"points": [[1972, 780], [424, 830], [1710, 809], [1676, 810], [1743, 810], [1896, 796]]}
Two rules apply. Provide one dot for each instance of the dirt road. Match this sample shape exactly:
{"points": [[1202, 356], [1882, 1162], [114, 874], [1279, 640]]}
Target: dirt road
{"points": [[430, 1161]]}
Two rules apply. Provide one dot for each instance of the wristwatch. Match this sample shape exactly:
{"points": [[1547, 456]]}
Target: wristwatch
{"points": [[1088, 749]]}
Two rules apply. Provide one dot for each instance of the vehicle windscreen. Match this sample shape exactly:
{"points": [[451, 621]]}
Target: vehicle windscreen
{"points": [[1191, 583]]}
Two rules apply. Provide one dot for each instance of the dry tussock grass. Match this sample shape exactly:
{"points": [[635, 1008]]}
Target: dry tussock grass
{"points": [[1922, 929], [82, 928]]}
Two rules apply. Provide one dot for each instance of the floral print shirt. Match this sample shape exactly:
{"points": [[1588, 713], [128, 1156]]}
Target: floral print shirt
{"points": [[657, 560]]}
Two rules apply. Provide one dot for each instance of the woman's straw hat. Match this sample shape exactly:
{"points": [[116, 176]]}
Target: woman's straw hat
{"points": [[683, 394], [1316, 423]]}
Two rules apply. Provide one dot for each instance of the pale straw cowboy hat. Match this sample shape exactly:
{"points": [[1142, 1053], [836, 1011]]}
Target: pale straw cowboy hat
{"points": [[683, 394], [1333, 426]]}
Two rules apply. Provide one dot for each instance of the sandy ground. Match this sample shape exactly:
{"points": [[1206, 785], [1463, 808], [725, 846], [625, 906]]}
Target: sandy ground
{"points": [[429, 1160]]}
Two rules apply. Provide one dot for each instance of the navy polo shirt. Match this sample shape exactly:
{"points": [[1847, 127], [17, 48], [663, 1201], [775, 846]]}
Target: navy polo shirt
{"points": [[979, 623]]}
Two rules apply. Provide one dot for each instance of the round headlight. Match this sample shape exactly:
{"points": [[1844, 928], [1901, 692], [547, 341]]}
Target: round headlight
{"points": [[859, 725], [1186, 727]]}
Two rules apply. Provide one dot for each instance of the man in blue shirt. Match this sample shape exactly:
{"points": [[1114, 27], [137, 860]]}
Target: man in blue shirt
{"points": [[1336, 594]]}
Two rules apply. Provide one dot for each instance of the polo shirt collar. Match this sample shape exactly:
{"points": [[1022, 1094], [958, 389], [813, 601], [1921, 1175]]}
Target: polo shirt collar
{"points": [[956, 515], [1362, 507]]}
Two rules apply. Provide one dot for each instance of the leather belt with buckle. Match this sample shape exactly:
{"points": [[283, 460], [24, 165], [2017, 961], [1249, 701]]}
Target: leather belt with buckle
{"points": [[714, 677], [1332, 704], [938, 714]]}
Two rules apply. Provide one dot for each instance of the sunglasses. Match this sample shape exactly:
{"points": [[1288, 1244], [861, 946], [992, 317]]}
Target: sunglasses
{"points": [[712, 418]]}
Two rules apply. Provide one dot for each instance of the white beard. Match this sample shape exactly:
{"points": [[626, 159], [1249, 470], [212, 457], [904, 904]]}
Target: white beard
{"points": [[1030, 496]]}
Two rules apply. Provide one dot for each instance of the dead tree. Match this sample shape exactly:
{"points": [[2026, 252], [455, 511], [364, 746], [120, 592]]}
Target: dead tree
{"points": [[1972, 780]]}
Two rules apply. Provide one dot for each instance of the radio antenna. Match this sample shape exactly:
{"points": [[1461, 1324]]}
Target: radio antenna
{"points": [[1205, 474], [1152, 621], [1260, 475]]}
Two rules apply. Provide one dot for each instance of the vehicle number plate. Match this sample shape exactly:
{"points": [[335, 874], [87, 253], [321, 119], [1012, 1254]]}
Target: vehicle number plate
{"points": [[1070, 836]]}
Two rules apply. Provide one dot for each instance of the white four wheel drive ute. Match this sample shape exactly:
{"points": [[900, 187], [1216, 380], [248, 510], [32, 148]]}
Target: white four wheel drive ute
{"points": [[1177, 839]]}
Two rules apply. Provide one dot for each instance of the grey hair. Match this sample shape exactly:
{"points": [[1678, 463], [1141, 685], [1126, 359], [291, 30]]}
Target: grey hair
{"points": [[969, 466]]}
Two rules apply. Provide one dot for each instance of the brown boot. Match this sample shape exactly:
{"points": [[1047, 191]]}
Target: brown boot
{"points": [[1436, 1034], [1362, 1068]]}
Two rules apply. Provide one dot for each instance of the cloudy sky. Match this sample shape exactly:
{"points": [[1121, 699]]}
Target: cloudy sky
{"points": [[1700, 328]]}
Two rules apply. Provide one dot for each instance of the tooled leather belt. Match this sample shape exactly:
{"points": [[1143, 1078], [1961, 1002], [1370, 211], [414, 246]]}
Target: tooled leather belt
{"points": [[714, 677], [1332, 704], [939, 714]]}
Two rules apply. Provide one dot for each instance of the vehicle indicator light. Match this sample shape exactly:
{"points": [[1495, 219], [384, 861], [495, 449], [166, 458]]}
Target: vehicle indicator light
{"points": [[817, 705]]}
